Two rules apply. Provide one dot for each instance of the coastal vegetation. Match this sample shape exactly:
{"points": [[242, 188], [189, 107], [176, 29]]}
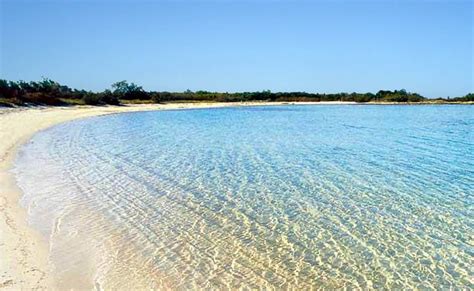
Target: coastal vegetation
{"points": [[49, 92]]}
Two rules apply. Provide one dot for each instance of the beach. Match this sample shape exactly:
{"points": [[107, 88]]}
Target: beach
{"points": [[24, 252], [236, 145], [181, 193]]}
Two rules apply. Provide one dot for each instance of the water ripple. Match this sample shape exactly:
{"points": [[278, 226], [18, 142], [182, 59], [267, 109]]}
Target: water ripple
{"points": [[290, 197]]}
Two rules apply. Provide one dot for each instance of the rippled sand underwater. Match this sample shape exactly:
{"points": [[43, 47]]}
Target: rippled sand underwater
{"points": [[284, 197]]}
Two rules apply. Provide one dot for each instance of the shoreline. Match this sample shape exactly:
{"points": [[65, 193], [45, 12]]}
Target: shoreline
{"points": [[24, 251]]}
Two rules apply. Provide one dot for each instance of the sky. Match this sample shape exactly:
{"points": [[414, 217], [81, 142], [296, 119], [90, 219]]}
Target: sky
{"points": [[314, 46]]}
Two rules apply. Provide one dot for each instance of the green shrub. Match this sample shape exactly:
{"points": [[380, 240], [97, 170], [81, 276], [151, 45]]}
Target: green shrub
{"points": [[108, 97], [92, 99]]}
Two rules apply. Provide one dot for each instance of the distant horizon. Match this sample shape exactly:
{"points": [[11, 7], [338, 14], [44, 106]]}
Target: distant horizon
{"points": [[324, 47]]}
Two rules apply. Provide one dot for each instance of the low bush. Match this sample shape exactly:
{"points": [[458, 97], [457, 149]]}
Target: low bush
{"points": [[92, 99]]}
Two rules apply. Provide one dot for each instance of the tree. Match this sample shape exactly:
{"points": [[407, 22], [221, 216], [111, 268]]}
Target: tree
{"points": [[108, 97], [131, 91]]}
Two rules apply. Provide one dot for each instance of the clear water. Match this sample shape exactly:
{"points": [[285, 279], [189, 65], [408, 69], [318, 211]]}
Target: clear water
{"points": [[280, 196]]}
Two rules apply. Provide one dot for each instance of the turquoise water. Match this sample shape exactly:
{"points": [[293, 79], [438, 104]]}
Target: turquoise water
{"points": [[276, 196]]}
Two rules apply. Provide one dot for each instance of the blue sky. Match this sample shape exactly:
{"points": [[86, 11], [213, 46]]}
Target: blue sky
{"points": [[314, 46]]}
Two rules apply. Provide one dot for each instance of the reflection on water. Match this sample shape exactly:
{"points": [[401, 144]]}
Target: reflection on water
{"points": [[288, 196]]}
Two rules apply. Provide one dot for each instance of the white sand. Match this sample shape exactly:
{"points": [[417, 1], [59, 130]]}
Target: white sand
{"points": [[24, 260]]}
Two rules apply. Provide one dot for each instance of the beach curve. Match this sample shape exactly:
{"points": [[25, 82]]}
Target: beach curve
{"points": [[24, 262], [24, 251]]}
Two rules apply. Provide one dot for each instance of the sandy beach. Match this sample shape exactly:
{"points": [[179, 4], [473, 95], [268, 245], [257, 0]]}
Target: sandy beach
{"points": [[24, 253], [228, 145]]}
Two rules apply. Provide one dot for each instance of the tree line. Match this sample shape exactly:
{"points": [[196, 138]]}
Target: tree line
{"points": [[49, 92]]}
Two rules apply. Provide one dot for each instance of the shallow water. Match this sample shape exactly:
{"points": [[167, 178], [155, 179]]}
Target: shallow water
{"points": [[280, 196]]}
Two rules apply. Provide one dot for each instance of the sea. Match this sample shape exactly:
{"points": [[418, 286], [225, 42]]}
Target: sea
{"points": [[257, 197]]}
